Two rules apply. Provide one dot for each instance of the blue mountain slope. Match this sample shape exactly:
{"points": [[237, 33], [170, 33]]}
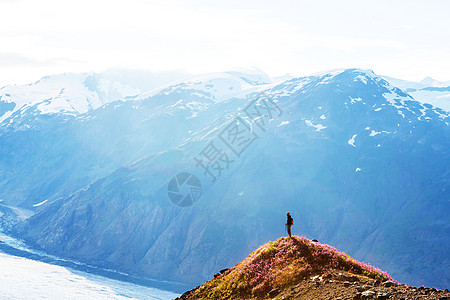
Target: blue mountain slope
{"points": [[53, 155], [357, 162]]}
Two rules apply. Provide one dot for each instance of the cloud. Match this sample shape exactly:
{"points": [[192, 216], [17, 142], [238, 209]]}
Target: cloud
{"points": [[15, 59], [299, 37]]}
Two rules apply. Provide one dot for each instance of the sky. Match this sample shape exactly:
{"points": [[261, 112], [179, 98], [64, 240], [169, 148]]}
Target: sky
{"points": [[407, 39]]}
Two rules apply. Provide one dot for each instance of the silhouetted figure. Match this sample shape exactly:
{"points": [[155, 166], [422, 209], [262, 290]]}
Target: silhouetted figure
{"points": [[289, 223]]}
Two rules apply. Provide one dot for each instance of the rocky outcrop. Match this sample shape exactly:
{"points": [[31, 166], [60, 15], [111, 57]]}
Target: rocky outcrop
{"points": [[320, 275]]}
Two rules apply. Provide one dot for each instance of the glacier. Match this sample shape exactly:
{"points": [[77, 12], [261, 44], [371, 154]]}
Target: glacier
{"points": [[23, 278]]}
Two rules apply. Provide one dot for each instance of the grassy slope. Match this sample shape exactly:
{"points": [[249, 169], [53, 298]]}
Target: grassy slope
{"points": [[279, 264]]}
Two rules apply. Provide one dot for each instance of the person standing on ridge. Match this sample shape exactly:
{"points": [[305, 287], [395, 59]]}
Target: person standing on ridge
{"points": [[289, 223]]}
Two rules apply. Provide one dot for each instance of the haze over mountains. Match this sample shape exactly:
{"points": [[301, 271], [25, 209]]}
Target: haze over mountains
{"points": [[428, 90], [360, 163]]}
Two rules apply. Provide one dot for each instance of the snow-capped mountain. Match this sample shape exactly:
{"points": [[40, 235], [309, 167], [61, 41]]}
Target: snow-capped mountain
{"points": [[428, 90], [359, 163], [72, 94], [66, 153], [218, 86], [426, 82], [67, 93]]}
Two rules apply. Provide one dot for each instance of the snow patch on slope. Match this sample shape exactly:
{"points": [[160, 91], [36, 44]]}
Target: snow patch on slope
{"points": [[351, 141], [354, 100], [374, 133], [283, 123], [318, 127], [40, 203], [361, 78]]}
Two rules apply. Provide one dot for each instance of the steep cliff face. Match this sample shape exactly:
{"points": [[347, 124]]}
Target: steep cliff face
{"points": [[357, 162]]}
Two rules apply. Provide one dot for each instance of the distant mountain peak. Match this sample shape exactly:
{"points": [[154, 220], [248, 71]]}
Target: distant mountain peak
{"points": [[428, 90], [63, 94], [428, 81]]}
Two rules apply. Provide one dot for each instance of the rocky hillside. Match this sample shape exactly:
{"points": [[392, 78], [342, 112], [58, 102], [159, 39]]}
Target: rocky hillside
{"points": [[298, 268]]}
